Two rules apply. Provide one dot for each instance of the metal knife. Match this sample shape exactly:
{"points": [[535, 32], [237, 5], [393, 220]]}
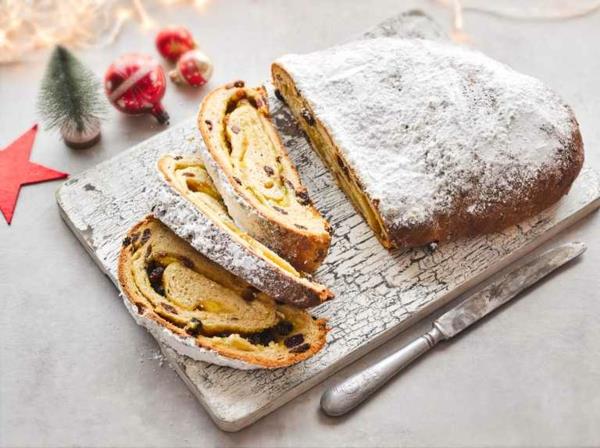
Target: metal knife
{"points": [[346, 395]]}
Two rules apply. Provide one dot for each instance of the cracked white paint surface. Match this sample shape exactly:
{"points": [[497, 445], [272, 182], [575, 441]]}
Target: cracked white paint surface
{"points": [[378, 293]]}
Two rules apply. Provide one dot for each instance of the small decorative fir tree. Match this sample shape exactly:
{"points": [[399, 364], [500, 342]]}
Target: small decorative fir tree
{"points": [[70, 99]]}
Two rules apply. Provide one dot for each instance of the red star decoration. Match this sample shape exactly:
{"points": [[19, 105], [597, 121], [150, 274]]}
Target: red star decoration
{"points": [[16, 170]]}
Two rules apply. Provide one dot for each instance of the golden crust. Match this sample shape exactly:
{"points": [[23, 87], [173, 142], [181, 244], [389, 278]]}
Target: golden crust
{"points": [[296, 230], [150, 231]]}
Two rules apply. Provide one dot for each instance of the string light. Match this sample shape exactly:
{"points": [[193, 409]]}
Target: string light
{"points": [[30, 25], [146, 21], [517, 10]]}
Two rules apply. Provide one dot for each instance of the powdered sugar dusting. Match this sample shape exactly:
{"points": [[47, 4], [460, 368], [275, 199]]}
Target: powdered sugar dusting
{"points": [[206, 237], [423, 123]]}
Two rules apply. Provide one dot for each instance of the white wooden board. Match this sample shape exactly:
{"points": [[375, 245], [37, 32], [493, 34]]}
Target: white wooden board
{"points": [[378, 293]]}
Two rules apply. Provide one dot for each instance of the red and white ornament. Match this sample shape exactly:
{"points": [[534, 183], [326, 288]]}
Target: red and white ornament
{"points": [[194, 68], [135, 84], [174, 41]]}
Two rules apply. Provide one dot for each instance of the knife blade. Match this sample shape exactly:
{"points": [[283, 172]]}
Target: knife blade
{"points": [[504, 289], [345, 396]]}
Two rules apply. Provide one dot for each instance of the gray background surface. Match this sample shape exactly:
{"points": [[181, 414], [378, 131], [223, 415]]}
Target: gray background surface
{"points": [[76, 370]]}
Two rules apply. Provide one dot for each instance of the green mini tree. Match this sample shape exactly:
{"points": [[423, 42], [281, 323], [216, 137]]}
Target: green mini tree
{"points": [[70, 99]]}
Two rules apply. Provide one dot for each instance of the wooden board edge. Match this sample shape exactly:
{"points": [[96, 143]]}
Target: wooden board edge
{"points": [[77, 232], [72, 180]]}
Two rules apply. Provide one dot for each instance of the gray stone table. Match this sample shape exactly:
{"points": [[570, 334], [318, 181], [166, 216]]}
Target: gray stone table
{"points": [[75, 370]]}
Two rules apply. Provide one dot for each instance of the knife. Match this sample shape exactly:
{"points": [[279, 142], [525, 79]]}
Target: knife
{"points": [[346, 395]]}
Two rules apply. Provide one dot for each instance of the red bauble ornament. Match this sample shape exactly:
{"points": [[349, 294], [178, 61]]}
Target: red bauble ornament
{"points": [[173, 41], [194, 68], [135, 84]]}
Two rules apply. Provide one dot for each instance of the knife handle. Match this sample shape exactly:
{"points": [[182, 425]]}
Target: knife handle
{"points": [[346, 395]]}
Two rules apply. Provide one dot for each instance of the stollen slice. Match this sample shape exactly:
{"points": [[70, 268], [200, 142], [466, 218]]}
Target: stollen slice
{"points": [[203, 311], [255, 177], [192, 207], [431, 141]]}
